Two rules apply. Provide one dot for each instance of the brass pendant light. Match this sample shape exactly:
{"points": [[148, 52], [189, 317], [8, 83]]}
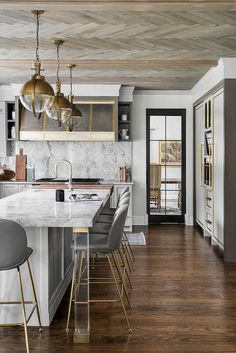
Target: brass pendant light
{"points": [[76, 115], [61, 108], [37, 95]]}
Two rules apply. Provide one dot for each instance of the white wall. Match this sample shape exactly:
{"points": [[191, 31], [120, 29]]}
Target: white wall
{"points": [[158, 99]]}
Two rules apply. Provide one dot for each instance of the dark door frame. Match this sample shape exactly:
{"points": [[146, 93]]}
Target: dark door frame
{"points": [[167, 218]]}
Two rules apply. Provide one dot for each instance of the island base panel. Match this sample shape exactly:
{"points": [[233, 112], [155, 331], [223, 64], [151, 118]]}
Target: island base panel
{"points": [[52, 266]]}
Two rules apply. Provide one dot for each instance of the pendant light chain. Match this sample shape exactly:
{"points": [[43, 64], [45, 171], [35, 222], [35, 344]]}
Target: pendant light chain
{"points": [[37, 95], [71, 81], [58, 62], [37, 15]]}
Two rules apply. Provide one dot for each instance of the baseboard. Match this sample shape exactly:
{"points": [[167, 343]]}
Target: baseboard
{"points": [[140, 220], [189, 220]]}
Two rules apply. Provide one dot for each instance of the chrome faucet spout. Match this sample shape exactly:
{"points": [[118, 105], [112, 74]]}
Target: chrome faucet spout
{"points": [[70, 177]]}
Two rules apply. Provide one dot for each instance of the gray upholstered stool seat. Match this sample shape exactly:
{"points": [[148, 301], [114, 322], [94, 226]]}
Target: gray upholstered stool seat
{"points": [[97, 243], [14, 252], [100, 227], [28, 252], [13, 245], [108, 211]]}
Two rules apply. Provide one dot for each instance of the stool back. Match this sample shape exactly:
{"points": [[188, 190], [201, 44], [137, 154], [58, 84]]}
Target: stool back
{"points": [[13, 244], [117, 228], [126, 194], [126, 189], [124, 201]]}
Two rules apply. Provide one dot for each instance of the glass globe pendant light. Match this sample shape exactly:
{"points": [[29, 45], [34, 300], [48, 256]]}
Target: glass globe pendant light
{"points": [[61, 108], [37, 95], [76, 115]]}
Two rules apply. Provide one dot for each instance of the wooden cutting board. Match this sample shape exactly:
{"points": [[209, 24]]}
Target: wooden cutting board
{"points": [[21, 161]]}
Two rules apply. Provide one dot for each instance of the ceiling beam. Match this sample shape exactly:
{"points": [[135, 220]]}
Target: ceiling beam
{"points": [[116, 5], [116, 64]]}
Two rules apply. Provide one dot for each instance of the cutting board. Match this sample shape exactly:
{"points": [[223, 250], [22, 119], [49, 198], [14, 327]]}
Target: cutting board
{"points": [[21, 160]]}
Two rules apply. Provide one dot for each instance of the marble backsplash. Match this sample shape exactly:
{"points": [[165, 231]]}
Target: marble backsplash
{"points": [[89, 159]]}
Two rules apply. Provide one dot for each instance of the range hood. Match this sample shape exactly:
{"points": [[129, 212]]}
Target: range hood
{"points": [[99, 122]]}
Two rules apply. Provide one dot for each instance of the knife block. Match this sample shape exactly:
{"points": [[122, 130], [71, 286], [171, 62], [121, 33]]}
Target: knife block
{"points": [[21, 161]]}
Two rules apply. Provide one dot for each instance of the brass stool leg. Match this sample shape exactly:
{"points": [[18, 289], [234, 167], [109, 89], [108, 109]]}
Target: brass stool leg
{"points": [[124, 262], [34, 292], [23, 309], [123, 286], [71, 296], [127, 254], [118, 290], [73, 286], [129, 267], [129, 247]]}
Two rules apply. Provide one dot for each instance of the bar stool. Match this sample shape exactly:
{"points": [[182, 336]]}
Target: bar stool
{"points": [[106, 245], [107, 219], [14, 252], [103, 225], [110, 211]]}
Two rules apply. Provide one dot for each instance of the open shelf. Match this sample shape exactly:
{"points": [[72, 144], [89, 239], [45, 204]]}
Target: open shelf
{"points": [[124, 126]]}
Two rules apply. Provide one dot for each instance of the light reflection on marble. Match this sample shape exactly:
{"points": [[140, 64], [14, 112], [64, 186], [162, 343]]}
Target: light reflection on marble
{"points": [[89, 159], [38, 208]]}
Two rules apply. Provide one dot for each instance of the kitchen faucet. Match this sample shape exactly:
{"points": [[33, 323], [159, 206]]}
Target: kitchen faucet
{"points": [[70, 178]]}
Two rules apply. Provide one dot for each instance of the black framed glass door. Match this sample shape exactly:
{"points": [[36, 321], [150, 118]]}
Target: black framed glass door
{"points": [[166, 170]]}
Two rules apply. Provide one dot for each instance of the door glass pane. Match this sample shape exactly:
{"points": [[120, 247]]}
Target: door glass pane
{"points": [[173, 127], [157, 128], [165, 165], [157, 135]]}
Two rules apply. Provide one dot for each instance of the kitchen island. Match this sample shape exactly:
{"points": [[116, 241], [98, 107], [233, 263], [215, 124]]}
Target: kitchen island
{"points": [[49, 226]]}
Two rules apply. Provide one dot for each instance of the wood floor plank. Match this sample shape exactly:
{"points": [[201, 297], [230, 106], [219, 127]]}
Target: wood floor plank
{"points": [[184, 301]]}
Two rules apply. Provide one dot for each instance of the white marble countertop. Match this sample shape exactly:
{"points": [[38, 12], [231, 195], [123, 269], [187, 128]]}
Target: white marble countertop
{"points": [[38, 208]]}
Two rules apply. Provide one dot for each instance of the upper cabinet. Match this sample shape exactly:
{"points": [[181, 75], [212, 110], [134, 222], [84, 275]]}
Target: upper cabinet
{"points": [[8, 127], [99, 122], [2, 130], [124, 121], [215, 170]]}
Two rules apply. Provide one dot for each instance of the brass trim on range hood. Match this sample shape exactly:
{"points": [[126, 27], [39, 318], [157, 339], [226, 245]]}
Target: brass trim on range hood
{"points": [[77, 101], [67, 136]]}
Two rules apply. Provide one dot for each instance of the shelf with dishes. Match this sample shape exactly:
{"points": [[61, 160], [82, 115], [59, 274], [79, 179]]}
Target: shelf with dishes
{"points": [[124, 121]]}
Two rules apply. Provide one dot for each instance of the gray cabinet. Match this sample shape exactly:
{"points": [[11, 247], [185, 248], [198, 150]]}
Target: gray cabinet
{"points": [[124, 121], [220, 191], [8, 127], [218, 167], [199, 147], [3, 150]]}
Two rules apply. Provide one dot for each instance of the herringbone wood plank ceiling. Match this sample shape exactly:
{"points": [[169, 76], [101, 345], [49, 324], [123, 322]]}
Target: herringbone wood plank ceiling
{"points": [[132, 43]]}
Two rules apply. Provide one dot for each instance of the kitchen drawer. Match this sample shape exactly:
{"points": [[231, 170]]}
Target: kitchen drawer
{"points": [[209, 222], [209, 198]]}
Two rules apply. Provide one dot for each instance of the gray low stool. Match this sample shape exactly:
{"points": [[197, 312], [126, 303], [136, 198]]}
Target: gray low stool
{"points": [[14, 252]]}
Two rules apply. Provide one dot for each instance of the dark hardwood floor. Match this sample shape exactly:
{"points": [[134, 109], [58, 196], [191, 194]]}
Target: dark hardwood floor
{"points": [[184, 300]]}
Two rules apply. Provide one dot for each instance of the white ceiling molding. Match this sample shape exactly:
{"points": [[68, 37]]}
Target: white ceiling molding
{"points": [[83, 90]]}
